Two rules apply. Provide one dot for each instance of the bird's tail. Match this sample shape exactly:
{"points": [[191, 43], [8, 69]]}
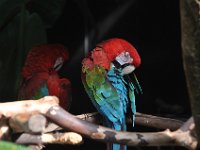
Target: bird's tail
{"points": [[111, 146]]}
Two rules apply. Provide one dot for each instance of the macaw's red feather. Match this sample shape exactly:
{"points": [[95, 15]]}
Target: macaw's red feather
{"points": [[113, 47], [60, 88], [32, 88], [42, 58], [40, 77], [107, 51], [105, 78], [97, 57]]}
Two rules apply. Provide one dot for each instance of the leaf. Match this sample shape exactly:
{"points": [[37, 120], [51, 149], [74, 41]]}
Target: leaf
{"points": [[8, 10], [49, 10], [34, 32], [8, 46], [11, 146], [22, 25], [12, 56]]}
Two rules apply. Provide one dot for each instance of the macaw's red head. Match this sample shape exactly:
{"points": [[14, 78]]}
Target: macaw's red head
{"points": [[121, 53], [44, 58]]}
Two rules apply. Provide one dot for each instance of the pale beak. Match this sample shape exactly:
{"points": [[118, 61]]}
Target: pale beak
{"points": [[58, 64], [128, 69]]}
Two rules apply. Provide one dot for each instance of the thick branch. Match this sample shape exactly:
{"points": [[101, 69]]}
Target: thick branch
{"points": [[187, 133], [94, 117], [50, 138], [67, 121], [4, 129], [10, 109], [28, 123], [38, 124], [72, 123], [21, 111], [141, 119], [157, 122], [190, 35]]}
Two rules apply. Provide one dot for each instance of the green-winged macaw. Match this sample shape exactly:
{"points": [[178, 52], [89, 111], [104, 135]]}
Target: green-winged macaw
{"points": [[40, 74], [107, 76]]}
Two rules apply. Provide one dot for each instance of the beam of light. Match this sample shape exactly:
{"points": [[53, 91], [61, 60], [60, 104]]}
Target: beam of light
{"points": [[104, 26], [90, 35]]}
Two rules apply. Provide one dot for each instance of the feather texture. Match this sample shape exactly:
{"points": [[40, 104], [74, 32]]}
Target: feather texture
{"points": [[40, 76], [111, 95], [109, 90]]}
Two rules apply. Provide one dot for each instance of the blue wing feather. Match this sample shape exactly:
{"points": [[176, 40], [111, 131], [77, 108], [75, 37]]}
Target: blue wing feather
{"points": [[132, 100], [41, 92], [35, 87], [111, 98]]}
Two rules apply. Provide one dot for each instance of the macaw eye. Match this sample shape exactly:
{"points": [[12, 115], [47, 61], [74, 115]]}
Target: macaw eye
{"points": [[124, 58], [58, 64]]}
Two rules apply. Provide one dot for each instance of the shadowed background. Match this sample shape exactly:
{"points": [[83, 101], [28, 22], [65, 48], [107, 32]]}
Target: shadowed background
{"points": [[153, 27]]}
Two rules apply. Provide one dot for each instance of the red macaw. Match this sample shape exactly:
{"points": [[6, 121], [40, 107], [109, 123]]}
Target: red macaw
{"points": [[106, 76], [40, 74]]}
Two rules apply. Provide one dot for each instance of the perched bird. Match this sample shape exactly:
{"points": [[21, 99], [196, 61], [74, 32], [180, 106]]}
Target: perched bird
{"points": [[40, 74], [108, 80]]}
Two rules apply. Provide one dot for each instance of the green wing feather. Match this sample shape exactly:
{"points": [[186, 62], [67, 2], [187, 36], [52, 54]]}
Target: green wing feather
{"points": [[103, 95]]}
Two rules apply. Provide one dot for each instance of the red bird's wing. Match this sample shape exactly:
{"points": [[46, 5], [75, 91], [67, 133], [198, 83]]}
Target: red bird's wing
{"points": [[44, 84], [65, 93], [60, 88], [34, 87]]}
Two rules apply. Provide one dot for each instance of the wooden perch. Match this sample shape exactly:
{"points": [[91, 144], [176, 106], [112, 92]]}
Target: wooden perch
{"points": [[11, 109], [50, 138], [141, 119], [157, 122], [4, 129], [180, 137], [20, 112], [38, 124], [94, 117], [28, 123], [48, 106]]}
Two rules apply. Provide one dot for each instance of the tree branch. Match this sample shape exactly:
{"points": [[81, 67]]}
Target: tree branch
{"points": [[64, 119], [38, 124], [48, 106], [10, 109], [20, 112], [141, 119], [50, 138], [4, 129], [28, 123], [190, 37]]}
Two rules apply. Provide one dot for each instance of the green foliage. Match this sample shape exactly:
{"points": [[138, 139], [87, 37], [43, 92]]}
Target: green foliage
{"points": [[10, 146], [49, 10], [8, 10], [22, 25]]}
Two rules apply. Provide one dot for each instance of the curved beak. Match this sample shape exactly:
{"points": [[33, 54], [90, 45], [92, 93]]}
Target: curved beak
{"points": [[128, 69]]}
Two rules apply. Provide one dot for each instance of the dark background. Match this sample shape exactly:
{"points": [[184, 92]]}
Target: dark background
{"points": [[153, 27]]}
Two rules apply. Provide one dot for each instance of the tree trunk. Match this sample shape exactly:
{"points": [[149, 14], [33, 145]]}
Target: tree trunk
{"points": [[190, 26]]}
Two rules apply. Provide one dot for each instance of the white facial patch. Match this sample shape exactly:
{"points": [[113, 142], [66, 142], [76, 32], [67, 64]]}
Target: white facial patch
{"points": [[124, 58], [58, 64], [128, 69]]}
